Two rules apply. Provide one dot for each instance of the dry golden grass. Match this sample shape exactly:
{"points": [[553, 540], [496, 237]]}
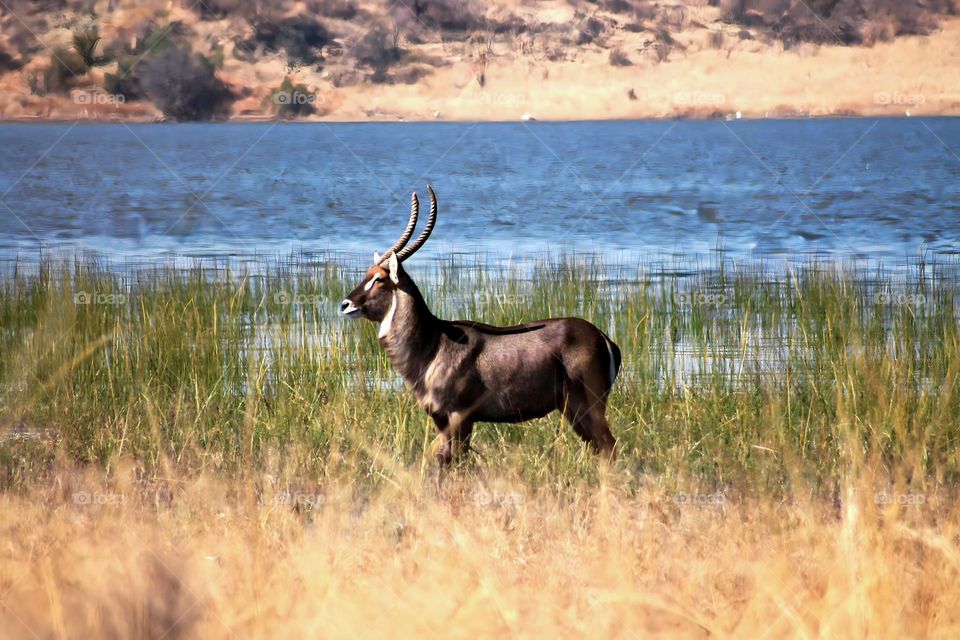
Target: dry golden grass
{"points": [[197, 557]]}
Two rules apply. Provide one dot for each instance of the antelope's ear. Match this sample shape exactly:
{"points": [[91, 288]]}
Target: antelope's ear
{"points": [[377, 257], [393, 265]]}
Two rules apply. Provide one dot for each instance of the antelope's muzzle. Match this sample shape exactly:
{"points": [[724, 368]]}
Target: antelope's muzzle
{"points": [[349, 309]]}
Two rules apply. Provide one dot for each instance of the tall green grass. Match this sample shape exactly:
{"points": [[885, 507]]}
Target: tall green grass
{"points": [[746, 379]]}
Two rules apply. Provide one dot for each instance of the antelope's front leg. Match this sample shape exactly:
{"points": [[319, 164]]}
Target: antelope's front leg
{"points": [[455, 430]]}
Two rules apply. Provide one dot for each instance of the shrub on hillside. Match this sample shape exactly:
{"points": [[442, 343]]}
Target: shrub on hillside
{"points": [[301, 39], [65, 67], [220, 9], [379, 49], [136, 48], [9, 61], [844, 21], [822, 7], [146, 39], [184, 86], [250, 9], [159, 39], [340, 9], [904, 18], [293, 100], [619, 59], [85, 42], [448, 15], [125, 82], [590, 31]]}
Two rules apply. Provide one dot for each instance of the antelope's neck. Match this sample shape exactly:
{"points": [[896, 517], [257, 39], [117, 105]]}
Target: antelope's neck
{"points": [[409, 334]]}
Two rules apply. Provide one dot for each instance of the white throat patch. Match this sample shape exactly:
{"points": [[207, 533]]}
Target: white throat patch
{"points": [[388, 319]]}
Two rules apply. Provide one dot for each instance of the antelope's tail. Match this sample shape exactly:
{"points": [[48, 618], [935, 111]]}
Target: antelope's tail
{"points": [[615, 360]]}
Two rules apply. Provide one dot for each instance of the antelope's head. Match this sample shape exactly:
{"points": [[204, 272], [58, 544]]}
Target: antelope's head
{"points": [[374, 296]]}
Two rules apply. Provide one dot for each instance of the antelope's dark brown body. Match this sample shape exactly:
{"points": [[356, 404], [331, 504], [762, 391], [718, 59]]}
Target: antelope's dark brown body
{"points": [[465, 372]]}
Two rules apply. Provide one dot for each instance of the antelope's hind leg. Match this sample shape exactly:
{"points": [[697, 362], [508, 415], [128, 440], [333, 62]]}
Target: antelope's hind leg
{"points": [[587, 413]]}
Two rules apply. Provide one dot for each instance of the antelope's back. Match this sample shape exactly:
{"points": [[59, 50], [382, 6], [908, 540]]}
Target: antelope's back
{"points": [[527, 366]]}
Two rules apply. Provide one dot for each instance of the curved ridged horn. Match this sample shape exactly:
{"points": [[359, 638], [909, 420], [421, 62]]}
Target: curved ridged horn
{"points": [[411, 225], [427, 230]]}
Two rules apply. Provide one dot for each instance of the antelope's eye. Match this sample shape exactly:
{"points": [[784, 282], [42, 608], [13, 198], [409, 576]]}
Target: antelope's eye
{"points": [[377, 279]]}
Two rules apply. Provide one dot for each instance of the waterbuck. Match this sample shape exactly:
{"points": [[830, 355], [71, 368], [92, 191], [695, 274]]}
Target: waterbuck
{"points": [[465, 372]]}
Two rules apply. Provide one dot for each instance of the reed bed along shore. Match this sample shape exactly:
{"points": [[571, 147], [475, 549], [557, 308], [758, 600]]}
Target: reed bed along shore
{"points": [[205, 451]]}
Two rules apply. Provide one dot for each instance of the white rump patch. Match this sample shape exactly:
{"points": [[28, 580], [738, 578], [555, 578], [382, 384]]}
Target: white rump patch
{"points": [[613, 364], [388, 319]]}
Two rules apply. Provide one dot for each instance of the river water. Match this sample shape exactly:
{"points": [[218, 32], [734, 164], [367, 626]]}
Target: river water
{"points": [[883, 190]]}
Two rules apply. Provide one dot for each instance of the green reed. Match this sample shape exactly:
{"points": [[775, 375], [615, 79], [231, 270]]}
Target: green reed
{"points": [[755, 378]]}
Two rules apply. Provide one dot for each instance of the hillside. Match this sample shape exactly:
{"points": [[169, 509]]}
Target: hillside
{"points": [[461, 60]]}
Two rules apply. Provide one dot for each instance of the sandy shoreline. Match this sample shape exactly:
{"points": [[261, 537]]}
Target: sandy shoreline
{"points": [[307, 121]]}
